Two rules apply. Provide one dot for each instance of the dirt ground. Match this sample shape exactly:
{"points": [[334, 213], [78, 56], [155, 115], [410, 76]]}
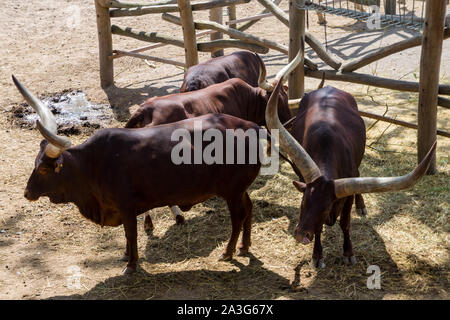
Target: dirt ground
{"points": [[405, 234]]}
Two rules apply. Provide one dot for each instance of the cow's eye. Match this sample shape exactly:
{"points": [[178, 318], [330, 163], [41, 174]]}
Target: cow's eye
{"points": [[43, 170]]}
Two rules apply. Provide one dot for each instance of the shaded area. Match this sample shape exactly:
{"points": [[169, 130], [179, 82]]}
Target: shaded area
{"points": [[251, 281]]}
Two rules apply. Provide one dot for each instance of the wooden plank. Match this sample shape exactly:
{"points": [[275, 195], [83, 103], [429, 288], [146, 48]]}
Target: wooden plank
{"points": [[139, 11], [152, 58], [430, 62], [190, 40], [215, 15], [444, 102], [232, 43], [178, 42], [152, 46], [296, 43], [206, 25], [245, 37], [104, 44], [232, 16], [294, 110], [370, 80], [121, 4], [399, 122], [147, 36]]}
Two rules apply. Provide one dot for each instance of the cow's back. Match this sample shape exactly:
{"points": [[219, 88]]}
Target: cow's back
{"points": [[329, 127], [241, 64], [143, 162]]}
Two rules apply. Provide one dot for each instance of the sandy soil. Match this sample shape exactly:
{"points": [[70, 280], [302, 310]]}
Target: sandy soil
{"points": [[406, 233]]}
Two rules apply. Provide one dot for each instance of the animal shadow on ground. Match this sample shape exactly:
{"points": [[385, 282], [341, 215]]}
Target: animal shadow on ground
{"points": [[122, 99], [242, 282], [356, 44]]}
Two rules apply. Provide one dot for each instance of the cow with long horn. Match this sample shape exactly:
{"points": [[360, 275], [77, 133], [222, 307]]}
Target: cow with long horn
{"points": [[233, 96], [120, 173], [326, 145]]}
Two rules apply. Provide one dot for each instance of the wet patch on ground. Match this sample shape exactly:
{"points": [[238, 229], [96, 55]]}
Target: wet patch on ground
{"points": [[74, 113]]}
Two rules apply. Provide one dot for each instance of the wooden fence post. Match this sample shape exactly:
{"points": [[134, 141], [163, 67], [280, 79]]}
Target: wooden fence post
{"points": [[232, 16], [104, 44], [390, 6], [430, 61], [189, 37], [296, 35], [215, 15]]}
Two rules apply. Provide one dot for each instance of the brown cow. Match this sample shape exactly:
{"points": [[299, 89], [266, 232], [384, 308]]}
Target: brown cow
{"points": [[234, 97], [118, 174], [327, 146], [241, 64]]}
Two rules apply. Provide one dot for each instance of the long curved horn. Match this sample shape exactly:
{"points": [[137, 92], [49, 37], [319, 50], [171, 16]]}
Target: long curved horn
{"points": [[348, 186], [293, 102], [44, 113], [48, 127], [299, 156], [262, 81], [291, 65]]}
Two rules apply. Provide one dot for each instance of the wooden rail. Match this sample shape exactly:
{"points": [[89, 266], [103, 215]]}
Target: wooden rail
{"points": [[139, 11], [353, 77], [178, 42]]}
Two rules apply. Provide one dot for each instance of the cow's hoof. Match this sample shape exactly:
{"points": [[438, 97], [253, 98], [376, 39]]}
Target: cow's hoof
{"points": [[225, 257], [350, 260], [361, 212], [318, 263], [242, 252], [124, 258], [128, 271], [180, 219]]}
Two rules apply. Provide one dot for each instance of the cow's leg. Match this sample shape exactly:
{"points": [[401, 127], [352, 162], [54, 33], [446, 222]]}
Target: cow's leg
{"points": [[247, 226], [236, 205], [345, 226], [148, 224], [179, 218], [130, 227], [317, 258], [360, 206]]}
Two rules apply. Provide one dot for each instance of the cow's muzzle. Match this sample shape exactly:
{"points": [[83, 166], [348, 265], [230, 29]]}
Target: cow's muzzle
{"points": [[304, 237], [27, 194]]}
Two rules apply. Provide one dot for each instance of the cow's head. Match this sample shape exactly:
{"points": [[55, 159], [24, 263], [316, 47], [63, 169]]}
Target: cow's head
{"points": [[140, 118], [319, 193], [47, 178]]}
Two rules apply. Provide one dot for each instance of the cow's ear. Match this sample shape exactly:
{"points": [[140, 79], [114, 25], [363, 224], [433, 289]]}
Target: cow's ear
{"points": [[300, 186], [59, 164]]}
